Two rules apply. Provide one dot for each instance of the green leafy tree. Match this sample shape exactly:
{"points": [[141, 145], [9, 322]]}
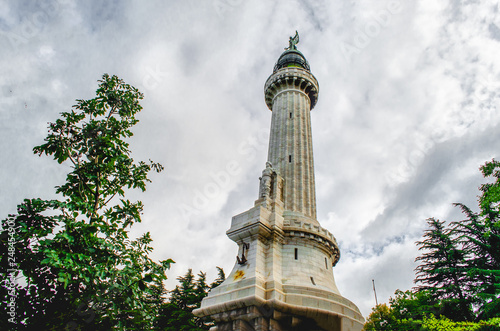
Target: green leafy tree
{"points": [[413, 311], [176, 314], [443, 272], [405, 311], [75, 265], [381, 318], [432, 323], [481, 233], [414, 305]]}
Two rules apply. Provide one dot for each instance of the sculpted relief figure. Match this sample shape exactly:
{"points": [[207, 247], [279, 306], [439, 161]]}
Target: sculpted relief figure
{"points": [[266, 180]]}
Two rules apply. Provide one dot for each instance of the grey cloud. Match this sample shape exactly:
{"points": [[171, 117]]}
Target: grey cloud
{"points": [[414, 86]]}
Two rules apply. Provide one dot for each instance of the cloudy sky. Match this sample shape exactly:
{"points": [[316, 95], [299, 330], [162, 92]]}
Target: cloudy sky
{"points": [[407, 112]]}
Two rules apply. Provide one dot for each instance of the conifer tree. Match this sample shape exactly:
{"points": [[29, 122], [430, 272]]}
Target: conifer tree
{"points": [[459, 269], [442, 271], [176, 314], [481, 234]]}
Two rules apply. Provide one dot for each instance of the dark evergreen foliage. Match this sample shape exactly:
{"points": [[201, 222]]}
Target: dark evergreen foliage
{"points": [[459, 272], [176, 314], [443, 273], [481, 235]]}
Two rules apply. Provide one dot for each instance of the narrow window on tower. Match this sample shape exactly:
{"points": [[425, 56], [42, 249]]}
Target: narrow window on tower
{"points": [[296, 253], [289, 158], [326, 262], [312, 281], [290, 115]]}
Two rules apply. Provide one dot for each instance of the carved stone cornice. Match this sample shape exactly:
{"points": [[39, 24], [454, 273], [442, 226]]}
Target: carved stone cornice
{"points": [[296, 79]]}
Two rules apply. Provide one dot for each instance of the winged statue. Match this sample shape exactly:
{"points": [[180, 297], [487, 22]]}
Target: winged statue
{"points": [[293, 41]]}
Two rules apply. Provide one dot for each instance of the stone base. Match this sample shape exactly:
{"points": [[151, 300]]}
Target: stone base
{"points": [[252, 313], [265, 318]]}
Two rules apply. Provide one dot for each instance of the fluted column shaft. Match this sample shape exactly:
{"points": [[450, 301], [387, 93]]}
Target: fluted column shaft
{"points": [[290, 94]]}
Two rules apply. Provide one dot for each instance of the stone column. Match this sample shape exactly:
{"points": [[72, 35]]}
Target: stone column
{"points": [[291, 94]]}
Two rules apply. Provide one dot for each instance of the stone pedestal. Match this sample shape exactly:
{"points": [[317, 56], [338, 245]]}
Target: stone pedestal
{"points": [[286, 280]]}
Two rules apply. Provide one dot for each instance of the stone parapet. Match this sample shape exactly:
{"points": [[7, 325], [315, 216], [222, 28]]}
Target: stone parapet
{"points": [[312, 231]]}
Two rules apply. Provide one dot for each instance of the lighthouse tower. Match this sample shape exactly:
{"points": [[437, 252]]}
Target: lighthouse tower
{"points": [[283, 275]]}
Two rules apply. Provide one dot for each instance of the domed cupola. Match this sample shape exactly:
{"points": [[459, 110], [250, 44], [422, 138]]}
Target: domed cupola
{"points": [[291, 57]]}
